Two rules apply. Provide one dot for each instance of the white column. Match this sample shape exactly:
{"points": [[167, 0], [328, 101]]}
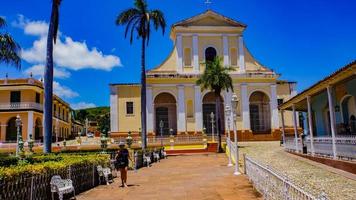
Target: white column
{"points": [[274, 107], [30, 124], [198, 109], [310, 125], [149, 106], [332, 120], [283, 129], [295, 128], [114, 112], [245, 107], [195, 54], [179, 46], [241, 55], [227, 101], [181, 110], [226, 50]]}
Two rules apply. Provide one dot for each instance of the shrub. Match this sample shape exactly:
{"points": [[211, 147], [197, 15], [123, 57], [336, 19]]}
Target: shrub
{"points": [[49, 163]]}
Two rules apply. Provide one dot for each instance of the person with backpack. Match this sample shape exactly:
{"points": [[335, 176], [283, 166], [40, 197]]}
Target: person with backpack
{"points": [[122, 162]]}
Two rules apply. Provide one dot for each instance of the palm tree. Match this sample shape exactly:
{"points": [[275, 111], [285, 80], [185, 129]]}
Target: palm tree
{"points": [[48, 76], [216, 78], [9, 49], [138, 20]]}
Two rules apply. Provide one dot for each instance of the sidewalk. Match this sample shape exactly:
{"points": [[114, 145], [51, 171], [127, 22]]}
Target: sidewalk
{"points": [[180, 177]]}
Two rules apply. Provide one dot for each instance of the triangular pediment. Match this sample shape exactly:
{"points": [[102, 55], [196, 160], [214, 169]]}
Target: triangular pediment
{"points": [[210, 18]]}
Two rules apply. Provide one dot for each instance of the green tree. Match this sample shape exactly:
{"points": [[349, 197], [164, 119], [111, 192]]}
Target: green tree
{"points": [[48, 76], [9, 49], [216, 78], [138, 20]]}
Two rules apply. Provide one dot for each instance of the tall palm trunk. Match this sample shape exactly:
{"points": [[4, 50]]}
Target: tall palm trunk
{"points": [[143, 95], [48, 87], [218, 120]]}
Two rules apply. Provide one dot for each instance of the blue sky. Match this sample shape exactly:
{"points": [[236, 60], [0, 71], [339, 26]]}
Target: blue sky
{"points": [[304, 40]]}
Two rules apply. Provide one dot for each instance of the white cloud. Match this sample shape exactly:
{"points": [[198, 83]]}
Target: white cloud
{"points": [[37, 28], [63, 91], [82, 105], [68, 53], [38, 70]]}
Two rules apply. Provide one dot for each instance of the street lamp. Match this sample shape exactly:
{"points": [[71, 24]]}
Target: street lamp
{"points": [[234, 103], [161, 124], [212, 125], [228, 114], [18, 125]]}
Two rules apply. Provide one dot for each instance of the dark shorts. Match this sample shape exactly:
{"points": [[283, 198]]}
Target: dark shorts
{"points": [[122, 166]]}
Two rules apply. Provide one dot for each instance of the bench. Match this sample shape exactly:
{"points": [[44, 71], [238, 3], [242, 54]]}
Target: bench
{"points": [[147, 159], [163, 154], [104, 174], [156, 156], [61, 186]]}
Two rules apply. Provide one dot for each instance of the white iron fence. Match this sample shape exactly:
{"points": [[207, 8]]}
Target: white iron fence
{"points": [[345, 146], [273, 185]]}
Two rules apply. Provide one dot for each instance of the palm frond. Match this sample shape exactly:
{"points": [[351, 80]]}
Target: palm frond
{"points": [[158, 20], [141, 5], [2, 22], [9, 51], [216, 77], [125, 16]]}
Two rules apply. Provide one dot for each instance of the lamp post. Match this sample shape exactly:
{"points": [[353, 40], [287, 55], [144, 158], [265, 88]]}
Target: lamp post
{"points": [[18, 125], [212, 125], [228, 114], [234, 103], [161, 124]]}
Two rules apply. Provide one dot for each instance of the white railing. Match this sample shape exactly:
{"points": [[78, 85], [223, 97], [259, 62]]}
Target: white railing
{"points": [[345, 146], [21, 105], [273, 185]]}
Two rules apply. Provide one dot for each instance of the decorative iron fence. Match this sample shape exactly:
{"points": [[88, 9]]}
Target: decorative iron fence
{"points": [[37, 187], [345, 146], [273, 185]]}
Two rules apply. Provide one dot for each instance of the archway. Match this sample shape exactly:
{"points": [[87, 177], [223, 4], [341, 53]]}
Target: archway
{"points": [[38, 129], [348, 109], [210, 54], [260, 115], [166, 111], [11, 130], [208, 108]]}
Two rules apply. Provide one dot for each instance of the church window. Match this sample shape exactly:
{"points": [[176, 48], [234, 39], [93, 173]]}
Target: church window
{"points": [[190, 109], [129, 108], [210, 54], [233, 57], [187, 57]]}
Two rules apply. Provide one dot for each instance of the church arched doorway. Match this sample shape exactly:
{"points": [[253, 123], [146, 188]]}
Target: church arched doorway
{"points": [[208, 108], [260, 115], [165, 111]]}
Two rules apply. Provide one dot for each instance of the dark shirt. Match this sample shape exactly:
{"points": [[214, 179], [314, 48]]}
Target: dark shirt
{"points": [[122, 158]]}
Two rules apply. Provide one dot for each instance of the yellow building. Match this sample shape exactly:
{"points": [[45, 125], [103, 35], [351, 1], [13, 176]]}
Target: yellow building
{"points": [[24, 97], [174, 98]]}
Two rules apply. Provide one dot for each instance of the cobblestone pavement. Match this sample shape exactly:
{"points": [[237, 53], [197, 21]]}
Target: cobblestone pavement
{"points": [[312, 178], [180, 177]]}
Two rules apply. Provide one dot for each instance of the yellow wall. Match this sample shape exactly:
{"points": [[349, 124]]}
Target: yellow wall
{"points": [[129, 122]]}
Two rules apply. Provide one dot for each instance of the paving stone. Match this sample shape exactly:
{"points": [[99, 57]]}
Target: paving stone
{"points": [[194, 177]]}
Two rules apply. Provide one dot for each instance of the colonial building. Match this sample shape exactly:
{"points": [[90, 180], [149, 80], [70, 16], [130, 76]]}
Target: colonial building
{"points": [[24, 97], [174, 98], [329, 115]]}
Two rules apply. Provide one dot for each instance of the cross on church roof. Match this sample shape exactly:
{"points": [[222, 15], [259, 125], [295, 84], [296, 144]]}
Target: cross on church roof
{"points": [[207, 3]]}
